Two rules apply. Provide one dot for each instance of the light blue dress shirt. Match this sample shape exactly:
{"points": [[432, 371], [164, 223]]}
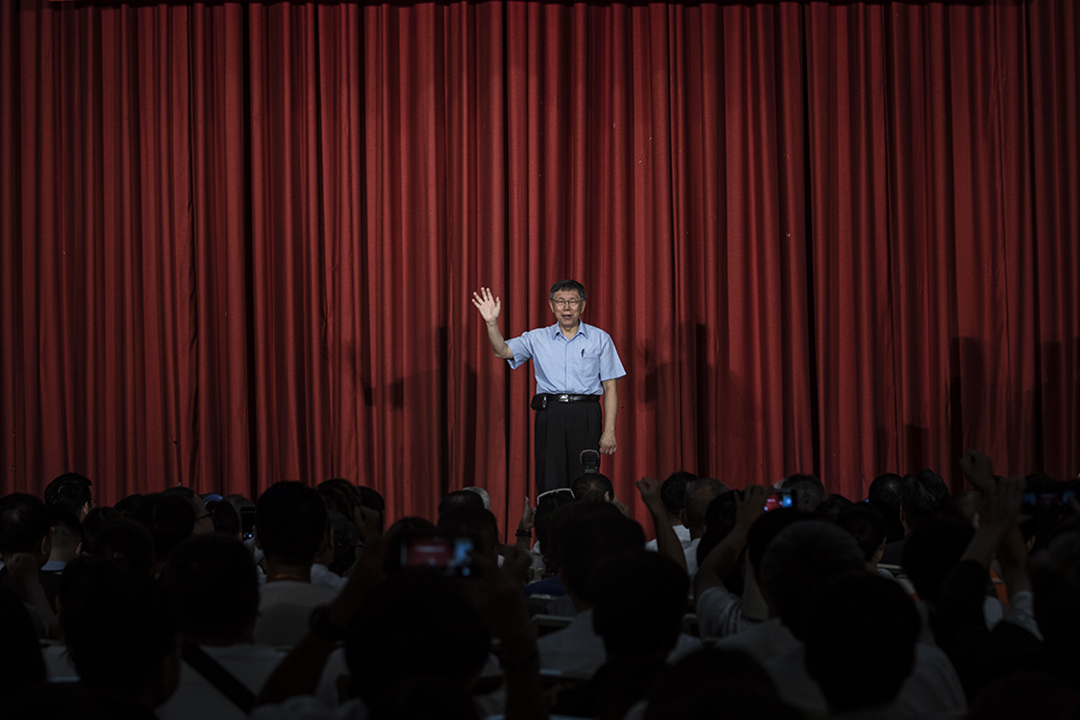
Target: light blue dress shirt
{"points": [[578, 365]]}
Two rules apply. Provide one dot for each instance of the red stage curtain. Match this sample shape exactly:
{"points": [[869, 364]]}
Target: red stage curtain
{"points": [[238, 239]]}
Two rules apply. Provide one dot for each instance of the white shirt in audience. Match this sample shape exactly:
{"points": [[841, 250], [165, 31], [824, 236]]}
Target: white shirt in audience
{"points": [[720, 613], [325, 577], [681, 531], [284, 609]]}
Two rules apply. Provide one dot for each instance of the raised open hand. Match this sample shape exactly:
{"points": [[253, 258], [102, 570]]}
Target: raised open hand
{"points": [[489, 306]]}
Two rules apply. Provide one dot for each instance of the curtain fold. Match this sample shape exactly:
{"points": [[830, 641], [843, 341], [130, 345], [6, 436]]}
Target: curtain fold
{"points": [[237, 240]]}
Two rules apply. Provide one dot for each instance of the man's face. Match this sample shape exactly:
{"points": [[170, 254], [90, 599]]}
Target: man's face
{"points": [[567, 306]]}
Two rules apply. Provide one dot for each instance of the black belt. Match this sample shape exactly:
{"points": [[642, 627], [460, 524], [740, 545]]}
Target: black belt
{"points": [[541, 400]]}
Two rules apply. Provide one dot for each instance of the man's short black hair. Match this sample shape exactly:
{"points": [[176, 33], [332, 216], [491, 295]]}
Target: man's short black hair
{"points": [[860, 647], [592, 487], [922, 496], [802, 558], [168, 517], [569, 285], [866, 523], [212, 579], [126, 543], [699, 495], [884, 494], [586, 533], [24, 522], [673, 491], [69, 492], [628, 588], [224, 516], [290, 522], [460, 498]]}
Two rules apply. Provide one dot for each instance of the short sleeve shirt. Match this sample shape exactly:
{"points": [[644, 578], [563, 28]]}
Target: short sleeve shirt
{"points": [[579, 365]]}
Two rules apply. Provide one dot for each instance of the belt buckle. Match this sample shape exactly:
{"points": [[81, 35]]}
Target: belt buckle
{"points": [[564, 397]]}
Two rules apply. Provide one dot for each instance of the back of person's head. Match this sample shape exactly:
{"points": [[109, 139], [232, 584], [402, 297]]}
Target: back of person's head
{"points": [[126, 543], [765, 529], [700, 684], [809, 491], [546, 506], [884, 494], [860, 643], [922, 496], [460, 498], [120, 629], [673, 491], [866, 524], [212, 580], [931, 552], [832, 506], [346, 539], [639, 603], [340, 495], [719, 521], [126, 505], [24, 525], [592, 487], [95, 521], [290, 523], [699, 493], [71, 493], [802, 558], [372, 499], [484, 495], [170, 519], [67, 534], [475, 523], [416, 647], [587, 533], [225, 518]]}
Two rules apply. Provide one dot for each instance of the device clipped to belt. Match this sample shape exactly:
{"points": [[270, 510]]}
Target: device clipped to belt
{"points": [[539, 402]]}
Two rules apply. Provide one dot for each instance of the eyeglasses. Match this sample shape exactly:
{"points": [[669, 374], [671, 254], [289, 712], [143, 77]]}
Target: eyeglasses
{"points": [[556, 491], [558, 302]]}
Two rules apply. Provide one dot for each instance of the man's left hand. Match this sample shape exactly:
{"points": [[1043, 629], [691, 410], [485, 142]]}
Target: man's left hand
{"points": [[607, 443]]}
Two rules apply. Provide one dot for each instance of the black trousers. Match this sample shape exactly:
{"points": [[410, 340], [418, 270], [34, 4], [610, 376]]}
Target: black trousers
{"points": [[563, 430]]}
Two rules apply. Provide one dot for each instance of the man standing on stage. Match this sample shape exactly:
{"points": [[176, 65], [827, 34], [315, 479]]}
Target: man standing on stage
{"points": [[576, 365]]}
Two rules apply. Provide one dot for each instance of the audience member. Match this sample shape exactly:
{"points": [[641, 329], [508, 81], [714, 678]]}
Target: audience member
{"points": [[639, 605], [25, 545], [170, 520], [699, 493], [593, 487], [128, 544], [860, 646], [70, 493], [922, 497], [884, 494], [225, 518], [799, 562], [673, 495], [867, 525], [213, 583], [459, 498], [290, 526], [95, 521]]}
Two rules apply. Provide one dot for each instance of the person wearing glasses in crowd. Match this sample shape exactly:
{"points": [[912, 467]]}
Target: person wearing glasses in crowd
{"points": [[576, 368]]}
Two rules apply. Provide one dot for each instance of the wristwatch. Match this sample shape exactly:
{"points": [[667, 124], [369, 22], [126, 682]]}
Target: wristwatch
{"points": [[319, 622]]}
